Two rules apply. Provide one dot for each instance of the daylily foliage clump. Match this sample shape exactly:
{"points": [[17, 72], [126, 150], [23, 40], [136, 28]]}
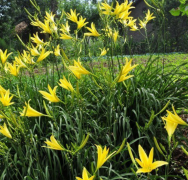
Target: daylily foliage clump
{"points": [[82, 107]]}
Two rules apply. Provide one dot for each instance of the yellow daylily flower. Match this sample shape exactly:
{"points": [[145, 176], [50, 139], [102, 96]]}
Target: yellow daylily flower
{"points": [[146, 162], [54, 27], [174, 118], [134, 28], [5, 99], [125, 70], [50, 16], [65, 36], [142, 24], [122, 11], [57, 51], [26, 57], [34, 51], [81, 22], [129, 22], [124, 15], [30, 112], [106, 8], [19, 62], [4, 130], [36, 23], [172, 121], [78, 69], [102, 156], [85, 175], [65, 84], [53, 144], [118, 9], [13, 68], [149, 16], [65, 28], [103, 51], [52, 97], [4, 56], [72, 16], [45, 27], [92, 30], [36, 39], [43, 55]]}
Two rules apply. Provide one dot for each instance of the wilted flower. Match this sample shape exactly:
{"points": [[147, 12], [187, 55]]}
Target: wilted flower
{"points": [[146, 162]]}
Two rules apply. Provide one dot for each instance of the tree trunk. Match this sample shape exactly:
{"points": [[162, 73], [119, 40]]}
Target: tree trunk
{"points": [[53, 6]]}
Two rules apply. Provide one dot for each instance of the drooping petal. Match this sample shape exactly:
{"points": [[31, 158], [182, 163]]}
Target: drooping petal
{"points": [[170, 128]]}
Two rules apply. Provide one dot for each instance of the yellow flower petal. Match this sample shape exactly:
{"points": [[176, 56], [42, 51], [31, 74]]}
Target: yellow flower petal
{"points": [[53, 144], [146, 162], [30, 112], [52, 97], [4, 130]]}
